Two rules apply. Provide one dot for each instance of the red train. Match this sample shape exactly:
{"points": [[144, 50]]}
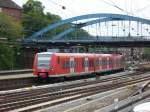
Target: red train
{"points": [[47, 64]]}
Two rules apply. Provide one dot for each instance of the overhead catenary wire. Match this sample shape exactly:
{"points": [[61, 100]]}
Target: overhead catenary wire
{"points": [[142, 9], [63, 7], [114, 5]]}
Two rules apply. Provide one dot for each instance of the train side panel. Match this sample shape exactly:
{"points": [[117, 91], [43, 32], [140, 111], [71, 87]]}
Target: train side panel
{"points": [[62, 65], [97, 63], [91, 64], [79, 65], [104, 63], [111, 60]]}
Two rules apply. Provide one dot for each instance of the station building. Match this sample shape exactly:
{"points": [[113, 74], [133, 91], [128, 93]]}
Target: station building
{"points": [[11, 8]]}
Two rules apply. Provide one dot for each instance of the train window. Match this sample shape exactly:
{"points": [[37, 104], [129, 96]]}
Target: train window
{"points": [[100, 62], [110, 62], [43, 61], [91, 63], [86, 63], [65, 64], [76, 64], [107, 61], [72, 64], [104, 62], [97, 62]]}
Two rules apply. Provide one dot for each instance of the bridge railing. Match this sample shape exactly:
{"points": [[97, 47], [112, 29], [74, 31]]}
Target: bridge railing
{"points": [[110, 38]]}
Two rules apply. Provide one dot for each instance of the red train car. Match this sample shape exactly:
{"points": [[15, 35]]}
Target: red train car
{"points": [[47, 64]]}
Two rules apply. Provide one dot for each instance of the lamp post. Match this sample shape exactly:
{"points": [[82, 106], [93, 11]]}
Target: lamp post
{"points": [[12, 60]]}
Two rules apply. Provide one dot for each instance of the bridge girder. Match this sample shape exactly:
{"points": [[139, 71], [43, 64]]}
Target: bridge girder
{"points": [[102, 17], [72, 29]]}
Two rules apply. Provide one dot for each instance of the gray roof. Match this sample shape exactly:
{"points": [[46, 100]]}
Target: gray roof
{"points": [[9, 4]]}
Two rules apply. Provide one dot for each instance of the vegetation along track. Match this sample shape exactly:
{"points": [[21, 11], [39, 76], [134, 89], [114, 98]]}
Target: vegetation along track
{"points": [[11, 101]]}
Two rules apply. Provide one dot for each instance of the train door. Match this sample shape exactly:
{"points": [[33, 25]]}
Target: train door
{"points": [[114, 63], [86, 64], [100, 63], [72, 64], [108, 66], [110, 62]]}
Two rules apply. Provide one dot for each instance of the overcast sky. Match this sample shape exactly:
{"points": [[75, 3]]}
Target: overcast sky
{"points": [[139, 8]]}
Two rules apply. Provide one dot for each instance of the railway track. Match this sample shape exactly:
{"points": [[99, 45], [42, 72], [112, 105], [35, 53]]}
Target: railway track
{"points": [[15, 83], [16, 100], [20, 82]]}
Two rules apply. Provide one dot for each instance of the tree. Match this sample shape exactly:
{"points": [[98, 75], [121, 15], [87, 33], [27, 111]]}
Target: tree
{"points": [[33, 22], [34, 17], [79, 33], [146, 53], [33, 6], [52, 18], [9, 28], [6, 59]]}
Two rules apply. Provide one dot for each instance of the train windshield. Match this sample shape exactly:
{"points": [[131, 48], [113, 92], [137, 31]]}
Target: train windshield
{"points": [[44, 61]]}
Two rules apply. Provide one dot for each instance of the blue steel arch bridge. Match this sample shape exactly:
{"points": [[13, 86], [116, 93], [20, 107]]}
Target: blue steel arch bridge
{"points": [[106, 29]]}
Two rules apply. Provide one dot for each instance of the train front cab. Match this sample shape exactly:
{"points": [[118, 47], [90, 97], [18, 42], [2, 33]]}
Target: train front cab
{"points": [[42, 66]]}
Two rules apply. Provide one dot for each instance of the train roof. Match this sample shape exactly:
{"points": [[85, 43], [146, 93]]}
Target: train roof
{"points": [[79, 54], [45, 53], [73, 54]]}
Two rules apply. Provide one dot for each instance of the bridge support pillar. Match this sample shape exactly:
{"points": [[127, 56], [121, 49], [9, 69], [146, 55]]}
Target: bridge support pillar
{"points": [[86, 49]]}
